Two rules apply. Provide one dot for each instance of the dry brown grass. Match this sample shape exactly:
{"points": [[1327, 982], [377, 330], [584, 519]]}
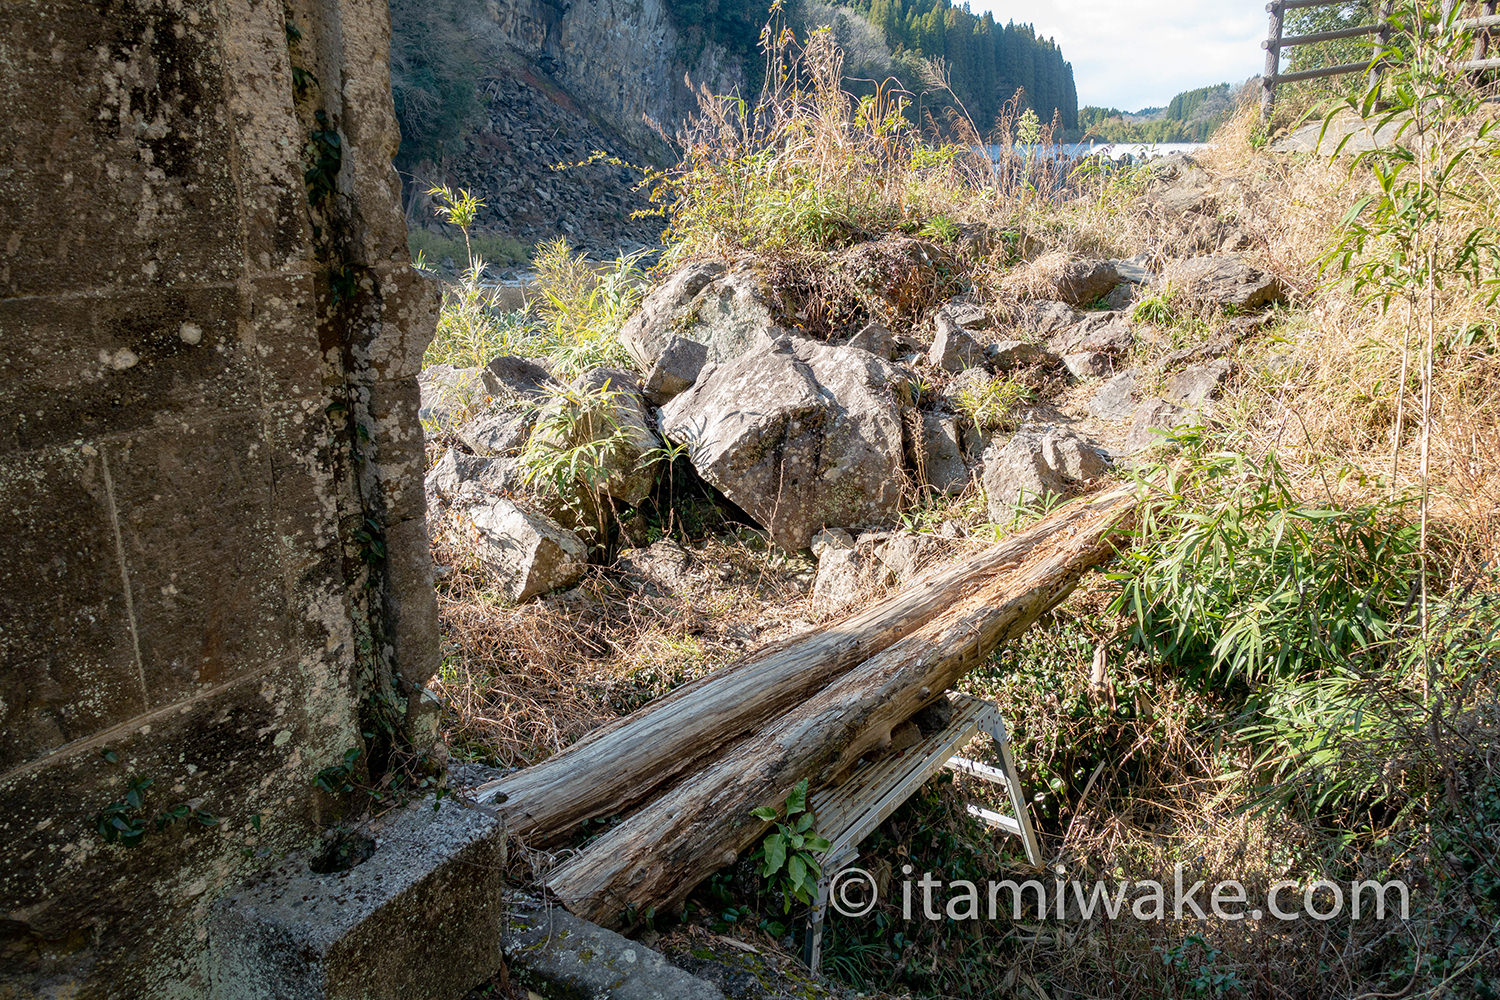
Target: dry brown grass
{"points": [[521, 682]]}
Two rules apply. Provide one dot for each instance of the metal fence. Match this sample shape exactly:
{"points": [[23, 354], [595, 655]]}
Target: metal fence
{"points": [[1484, 25]]}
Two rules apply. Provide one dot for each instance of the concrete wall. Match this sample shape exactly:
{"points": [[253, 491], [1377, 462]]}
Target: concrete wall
{"points": [[215, 573]]}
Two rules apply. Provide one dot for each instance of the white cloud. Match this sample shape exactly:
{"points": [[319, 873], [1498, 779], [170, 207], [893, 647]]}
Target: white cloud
{"points": [[1141, 54]]}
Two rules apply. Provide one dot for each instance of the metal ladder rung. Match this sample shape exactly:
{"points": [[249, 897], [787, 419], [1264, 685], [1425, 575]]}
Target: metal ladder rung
{"points": [[1007, 823], [978, 770]]}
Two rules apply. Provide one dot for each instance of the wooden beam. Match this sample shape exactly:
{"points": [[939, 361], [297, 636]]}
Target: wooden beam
{"points": [[1328, 36], [1318, 74]]}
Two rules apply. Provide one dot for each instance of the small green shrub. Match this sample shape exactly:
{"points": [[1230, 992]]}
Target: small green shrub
{"points": [[1233, 576], [788, 855], [992, 406]]}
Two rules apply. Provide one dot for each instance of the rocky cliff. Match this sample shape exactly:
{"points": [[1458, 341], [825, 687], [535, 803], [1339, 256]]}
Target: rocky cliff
{"points": [[493, 94]]}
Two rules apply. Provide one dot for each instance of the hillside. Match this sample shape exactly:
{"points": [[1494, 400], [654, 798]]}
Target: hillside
{"points": [[1191, 116], [494, 97]]}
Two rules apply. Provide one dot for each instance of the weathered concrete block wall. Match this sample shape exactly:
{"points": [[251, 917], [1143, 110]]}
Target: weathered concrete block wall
{"points": [[215, 574]]}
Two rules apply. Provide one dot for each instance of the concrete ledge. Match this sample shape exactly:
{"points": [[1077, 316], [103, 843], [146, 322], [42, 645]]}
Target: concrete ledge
{"points": [[420, 916], [557, 955]]}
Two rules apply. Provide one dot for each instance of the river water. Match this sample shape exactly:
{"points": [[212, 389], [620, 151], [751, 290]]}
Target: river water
{"points": [[1136, 151]]}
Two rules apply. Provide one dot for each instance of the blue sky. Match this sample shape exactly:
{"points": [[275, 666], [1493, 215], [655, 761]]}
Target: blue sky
{"points": [[1131, 54]]}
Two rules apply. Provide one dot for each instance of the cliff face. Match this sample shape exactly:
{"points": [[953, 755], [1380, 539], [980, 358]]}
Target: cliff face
{"points": [[494, 94], [622, 60]]}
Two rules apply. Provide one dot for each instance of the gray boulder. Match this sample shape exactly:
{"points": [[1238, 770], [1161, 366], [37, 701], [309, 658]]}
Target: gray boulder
{"points": [[1222, 281], [1084, 282], [1085, 365], [1199, 383], [1045, 318], [728, 311], [955, 345], [677, 367], [953, 349], [875, 338], [943, 465], [1115, 400], [528, 554], [495, 435], [457, 476], [1104, 332], [1038, 463], [516, 382], [1152, 419], [1008, 355], [798, 434], [852, 568]]}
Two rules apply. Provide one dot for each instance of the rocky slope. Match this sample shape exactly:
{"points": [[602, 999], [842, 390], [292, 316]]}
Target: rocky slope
{"points": [[824, 438], [555, 81]]}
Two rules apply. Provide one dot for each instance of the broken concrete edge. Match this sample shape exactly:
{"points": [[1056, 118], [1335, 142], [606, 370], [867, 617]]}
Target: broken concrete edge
{"points": [[418, 913], [549, 950]]}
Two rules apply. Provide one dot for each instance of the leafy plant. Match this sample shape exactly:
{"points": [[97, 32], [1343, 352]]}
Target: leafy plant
{"points": [[1428, 224], [788, 856], [127, 821], [1232, 576], [992, 406]]}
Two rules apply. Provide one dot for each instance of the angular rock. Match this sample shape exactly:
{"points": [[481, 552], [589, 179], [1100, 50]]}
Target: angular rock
{"points": [[457, 475], [1153, 418], [495, 435], [970, 316], [729, 311], [875, 338], [1123, 298], [449, 394], [943, 465], [1115, 400], [677, 367], [528, 553], [1047, 318], [1008, 355], [1038, 463], [952, 348], [516, 382], [1084, 282], [798, 434], [1222, 281], [555, 954], [852, 568], [1106, 332], [1085, 365], [1199, 383]]}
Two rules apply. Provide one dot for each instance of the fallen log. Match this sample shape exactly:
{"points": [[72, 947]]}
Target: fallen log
{"points": [[654, 857], [625, 763]]}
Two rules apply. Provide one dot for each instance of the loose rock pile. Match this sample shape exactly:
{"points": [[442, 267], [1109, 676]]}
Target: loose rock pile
{"points": [[824, 441]]}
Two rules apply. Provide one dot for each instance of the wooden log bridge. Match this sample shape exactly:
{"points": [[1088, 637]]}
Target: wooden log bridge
{"points": [[684, 772]]}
